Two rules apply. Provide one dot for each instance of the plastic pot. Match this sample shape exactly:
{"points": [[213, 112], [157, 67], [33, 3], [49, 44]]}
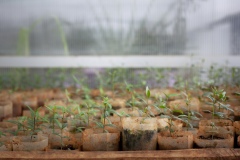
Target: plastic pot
{"points": [[30, 143], [194, 104], [179, 140], [6, 109], [217, 122], [54, 138], [205, 140], [139, 133], [96, 140], [6, 144], [16, 98]]}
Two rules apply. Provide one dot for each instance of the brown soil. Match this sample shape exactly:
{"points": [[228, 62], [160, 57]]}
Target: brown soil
{"points": [[210, 137]]}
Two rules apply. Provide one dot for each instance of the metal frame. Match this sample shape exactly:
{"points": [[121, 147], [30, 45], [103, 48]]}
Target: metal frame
{"points": [[116, 61]]}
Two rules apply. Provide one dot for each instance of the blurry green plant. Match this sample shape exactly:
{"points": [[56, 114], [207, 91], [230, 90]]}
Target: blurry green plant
{"points": [[217, 98], [107, 110], [21, 123], [190, 115]]}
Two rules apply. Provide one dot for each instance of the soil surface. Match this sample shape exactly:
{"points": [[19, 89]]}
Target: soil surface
{"points": [[210, 137], [67, 147]]}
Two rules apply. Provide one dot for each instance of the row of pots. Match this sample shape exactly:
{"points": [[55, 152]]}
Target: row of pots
{"points": [[130, 133]]}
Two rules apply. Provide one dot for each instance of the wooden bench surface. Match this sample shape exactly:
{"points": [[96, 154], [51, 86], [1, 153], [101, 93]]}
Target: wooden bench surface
{"points": [[206, 154]]}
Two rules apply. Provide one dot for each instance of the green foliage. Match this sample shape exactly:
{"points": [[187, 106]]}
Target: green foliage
{"points": [[106, 112], [217, 99], [59, 120], [191, 115], [148, 93], [34, 121], [132, 102], [21, 124]]}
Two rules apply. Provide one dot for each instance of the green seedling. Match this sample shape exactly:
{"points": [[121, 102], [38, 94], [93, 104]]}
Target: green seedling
{"points": [[91, 111], [61, 124], [53, 116], [34, 122], [129, 89], [172, 117], [21, 123], [146, 109], [217, 99], [214, 129], [191, 115], [112, 80], [106, 112], [84, 87]]}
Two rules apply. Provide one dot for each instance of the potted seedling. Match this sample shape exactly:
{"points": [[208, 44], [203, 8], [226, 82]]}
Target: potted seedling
{"points": [[115, 95], [216, 133], [21, 123], [163, 108], [32, 141], [77, 123], [56, 129], [101, 139], [219, 116], [61, 124], [132, 103], [113, 79], [193, 103], [190, 117], [172, 136], [140, 133]]}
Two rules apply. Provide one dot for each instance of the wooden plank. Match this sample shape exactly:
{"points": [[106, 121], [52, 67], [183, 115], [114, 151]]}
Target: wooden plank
{"points": [[237, 152], [190, 154]]}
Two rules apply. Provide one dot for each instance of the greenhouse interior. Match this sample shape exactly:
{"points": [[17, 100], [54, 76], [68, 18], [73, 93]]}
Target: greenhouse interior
{"points": [[120, 79]]}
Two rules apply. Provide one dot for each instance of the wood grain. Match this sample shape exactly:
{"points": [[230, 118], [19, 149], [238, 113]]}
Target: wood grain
{"points": [[189, 154]]}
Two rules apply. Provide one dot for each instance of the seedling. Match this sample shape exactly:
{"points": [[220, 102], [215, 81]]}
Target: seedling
{"points": [[61, 124], [112, 79], [172, 117], [21, 125], [34, 122], [217, 97], [53, 116], [106, 111], [168, 113], [82, 118], [132, 93], [84, 87], [191, 115], [161, 104]]}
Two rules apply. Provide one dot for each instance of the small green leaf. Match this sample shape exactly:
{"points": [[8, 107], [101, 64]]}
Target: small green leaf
{"points": [[31, 111], [178, 111], [148, 93], [207, 111], [236, 93]]}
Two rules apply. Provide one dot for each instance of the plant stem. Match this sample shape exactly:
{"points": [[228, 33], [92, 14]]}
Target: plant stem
{"points": [[104, 118], [213, 113], [62, 132], [88, 116]]}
